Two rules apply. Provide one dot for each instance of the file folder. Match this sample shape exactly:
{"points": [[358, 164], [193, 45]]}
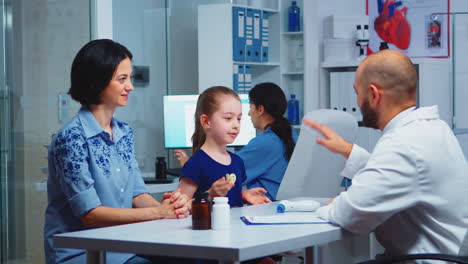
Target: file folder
{"points": [[247, 78], [238, 33], [241, 79], [249, 34], [265, 36], [257, 39], [235, 78]]}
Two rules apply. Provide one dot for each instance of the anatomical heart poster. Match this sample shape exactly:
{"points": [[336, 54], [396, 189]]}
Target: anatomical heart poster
{"points": [[415, 27]]}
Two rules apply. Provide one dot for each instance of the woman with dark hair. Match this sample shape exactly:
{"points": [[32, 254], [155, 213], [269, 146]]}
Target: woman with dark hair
{"points": [[266, 156], [94, 179]]}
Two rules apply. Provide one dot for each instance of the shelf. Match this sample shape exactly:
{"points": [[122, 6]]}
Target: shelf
{"points": [[289, 34], [340, 64], [293, 73], [271, 10], [267, 64]]}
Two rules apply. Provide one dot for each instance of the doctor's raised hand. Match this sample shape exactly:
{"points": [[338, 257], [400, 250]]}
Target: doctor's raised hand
{"points": [[331, 140]]}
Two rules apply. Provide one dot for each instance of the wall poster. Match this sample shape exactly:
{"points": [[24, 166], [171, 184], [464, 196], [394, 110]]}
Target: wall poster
{"points": [[410, 26]]}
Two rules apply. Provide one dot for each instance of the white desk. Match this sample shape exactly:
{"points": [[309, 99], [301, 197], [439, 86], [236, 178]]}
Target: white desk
{"points": [[171, 237]]}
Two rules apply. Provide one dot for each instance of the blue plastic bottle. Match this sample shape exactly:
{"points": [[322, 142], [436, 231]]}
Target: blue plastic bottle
{"points": [[294, 14], [293, 110]]}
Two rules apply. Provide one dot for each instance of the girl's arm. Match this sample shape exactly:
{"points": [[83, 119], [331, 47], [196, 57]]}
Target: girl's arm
{"points": [[187, 187], [219, 188]]}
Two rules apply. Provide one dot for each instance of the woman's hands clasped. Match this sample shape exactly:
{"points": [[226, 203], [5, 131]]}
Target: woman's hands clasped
{"points": [[176, 205]]}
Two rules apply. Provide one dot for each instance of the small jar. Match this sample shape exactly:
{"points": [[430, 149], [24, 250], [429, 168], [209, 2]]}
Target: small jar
{"points": [[383, 45], [201, 211], [221, 213]]}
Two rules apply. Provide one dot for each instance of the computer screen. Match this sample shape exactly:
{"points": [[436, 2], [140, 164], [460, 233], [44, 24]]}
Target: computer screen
{"points": [[179, 125]]}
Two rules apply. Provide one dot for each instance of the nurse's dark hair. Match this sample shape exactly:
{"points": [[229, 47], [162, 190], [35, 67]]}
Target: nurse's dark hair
{"points": [[207, 103], [93, 68], [273, 100]]}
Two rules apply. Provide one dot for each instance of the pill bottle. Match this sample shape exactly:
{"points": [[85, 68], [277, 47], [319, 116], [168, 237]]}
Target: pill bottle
{"points": [[201, 211], [220, 217]]}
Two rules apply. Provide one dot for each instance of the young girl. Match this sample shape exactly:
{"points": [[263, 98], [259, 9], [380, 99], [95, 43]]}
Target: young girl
{"points": [[212, 168], [266, 157]]}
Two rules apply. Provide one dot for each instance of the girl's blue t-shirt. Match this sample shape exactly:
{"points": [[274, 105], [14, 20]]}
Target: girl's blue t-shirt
{"points": [[204, 171]]}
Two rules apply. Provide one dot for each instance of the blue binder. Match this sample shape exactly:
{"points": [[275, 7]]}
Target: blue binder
{"points": [[241, 79], [249, 34], [257, 35], [238, 33], [247, 78], [235, 78], [265, 36]]}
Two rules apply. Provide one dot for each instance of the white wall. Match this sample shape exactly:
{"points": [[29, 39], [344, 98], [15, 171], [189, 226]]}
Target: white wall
{"points": [[141, 27], [315, 12]]}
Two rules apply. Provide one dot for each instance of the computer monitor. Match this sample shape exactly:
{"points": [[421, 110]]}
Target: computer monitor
{"points": [[179, 125]]}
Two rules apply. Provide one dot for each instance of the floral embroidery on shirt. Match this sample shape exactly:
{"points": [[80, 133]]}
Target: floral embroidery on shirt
{"points": [[70, 153], [125, 149], [101, 154]]}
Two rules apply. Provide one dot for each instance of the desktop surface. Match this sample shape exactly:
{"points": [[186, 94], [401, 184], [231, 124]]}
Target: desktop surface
{"points": [[179, 125], [175, 237]]}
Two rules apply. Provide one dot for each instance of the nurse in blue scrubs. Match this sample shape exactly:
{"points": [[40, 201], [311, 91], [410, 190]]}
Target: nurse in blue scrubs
{"points": [[266, 156]]}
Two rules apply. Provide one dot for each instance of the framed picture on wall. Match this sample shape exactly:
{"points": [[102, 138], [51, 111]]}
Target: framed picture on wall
{"points": [[419, 28]]}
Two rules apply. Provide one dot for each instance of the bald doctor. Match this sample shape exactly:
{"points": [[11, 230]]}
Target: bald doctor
{"points": [[410, 189]]}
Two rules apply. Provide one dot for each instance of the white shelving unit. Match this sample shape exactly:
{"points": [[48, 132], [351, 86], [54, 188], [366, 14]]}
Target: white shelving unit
{"points": [[215, 48], [293, 56]]}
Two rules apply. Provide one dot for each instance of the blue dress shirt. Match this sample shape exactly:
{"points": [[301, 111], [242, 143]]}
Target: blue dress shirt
{"points": [[265, 162], [88, 169]]}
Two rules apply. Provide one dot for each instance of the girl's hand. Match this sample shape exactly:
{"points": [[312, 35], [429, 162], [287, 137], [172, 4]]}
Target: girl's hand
{"points": [[220, 188], [255, 196], [181, 156]]}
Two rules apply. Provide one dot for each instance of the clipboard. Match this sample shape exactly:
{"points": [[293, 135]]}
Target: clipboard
{"points": [[284, 219]]}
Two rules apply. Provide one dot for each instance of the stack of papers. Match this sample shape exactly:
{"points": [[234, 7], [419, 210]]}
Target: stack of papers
{"points": [[284, 219]]}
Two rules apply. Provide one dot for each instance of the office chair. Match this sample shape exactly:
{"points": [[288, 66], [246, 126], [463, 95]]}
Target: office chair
{"points": [[461, 258], [313, 170]]}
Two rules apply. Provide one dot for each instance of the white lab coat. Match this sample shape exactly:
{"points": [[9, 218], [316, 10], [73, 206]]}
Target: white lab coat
{"points": [[410, 190]]}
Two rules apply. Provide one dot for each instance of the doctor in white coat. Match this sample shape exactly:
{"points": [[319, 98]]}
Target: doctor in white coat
{"points": [[410, 189]]}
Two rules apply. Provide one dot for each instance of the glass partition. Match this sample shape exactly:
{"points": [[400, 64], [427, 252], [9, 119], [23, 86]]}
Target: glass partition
{"points": [[38, 41]]}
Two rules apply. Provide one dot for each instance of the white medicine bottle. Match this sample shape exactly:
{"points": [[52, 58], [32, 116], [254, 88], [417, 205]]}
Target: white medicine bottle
{"points": [[221, 213]]}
